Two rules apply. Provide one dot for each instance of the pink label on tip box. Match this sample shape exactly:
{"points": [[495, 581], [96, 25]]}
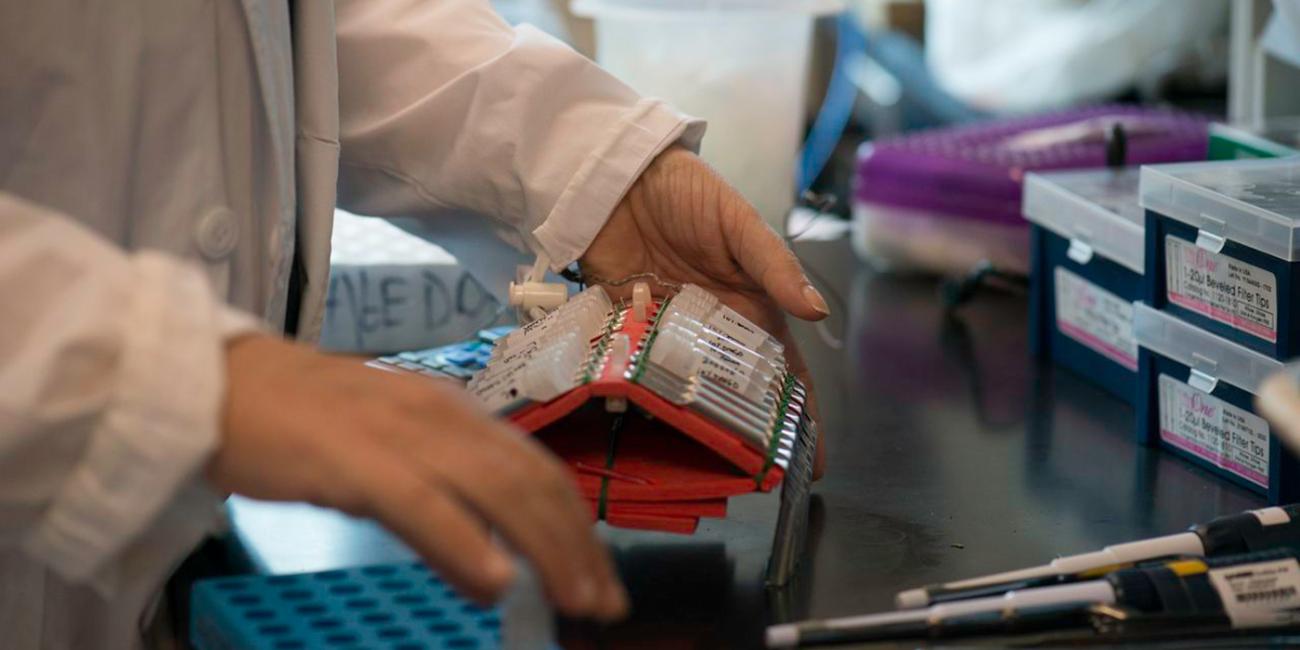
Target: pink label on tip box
{"points": [[1096, 318], [1221, 288], [1213, 430]]}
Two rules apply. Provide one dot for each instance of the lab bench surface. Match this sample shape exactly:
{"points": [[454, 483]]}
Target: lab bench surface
{"points": [[951, 454]]}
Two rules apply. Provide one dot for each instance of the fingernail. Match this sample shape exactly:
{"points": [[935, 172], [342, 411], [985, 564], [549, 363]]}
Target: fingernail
{"points": [[621, 603], [499, 569], [815, 300], [587, 594]]}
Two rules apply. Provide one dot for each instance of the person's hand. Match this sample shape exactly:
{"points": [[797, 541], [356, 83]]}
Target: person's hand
{"points": [[419, 457], [684, 223]]}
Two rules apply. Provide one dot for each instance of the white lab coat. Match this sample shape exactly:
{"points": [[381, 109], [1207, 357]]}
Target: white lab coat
{"points": [[160, 160]]}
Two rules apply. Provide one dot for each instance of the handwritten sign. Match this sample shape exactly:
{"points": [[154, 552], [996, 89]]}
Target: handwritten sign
{"points": [[390, 308]]}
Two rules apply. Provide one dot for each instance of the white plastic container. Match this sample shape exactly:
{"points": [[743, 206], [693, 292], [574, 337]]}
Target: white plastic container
{"points": [[740, 64]]}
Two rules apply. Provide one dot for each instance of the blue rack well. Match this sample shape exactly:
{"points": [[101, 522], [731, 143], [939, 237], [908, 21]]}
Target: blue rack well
{"points": [[384, 607]]}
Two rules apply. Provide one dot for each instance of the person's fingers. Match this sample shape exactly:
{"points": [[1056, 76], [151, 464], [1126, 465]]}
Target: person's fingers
{"points": [[532, 502], [544, 519], [421, 460], [434, 524], [770, 263], [1277, 402]]}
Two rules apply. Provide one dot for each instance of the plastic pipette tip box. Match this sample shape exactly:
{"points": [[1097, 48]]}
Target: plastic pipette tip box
{"points": [[1086, 270], [1222, 249], [1198, 402], [947, 199], [976, 171], [388, 607]]}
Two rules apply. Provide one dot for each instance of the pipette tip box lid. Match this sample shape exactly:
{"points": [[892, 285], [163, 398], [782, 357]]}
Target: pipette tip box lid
{"points": [[1085, 272], [1222, 248], [1199, 403]]}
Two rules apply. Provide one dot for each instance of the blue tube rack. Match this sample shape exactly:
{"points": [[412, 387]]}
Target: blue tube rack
{"points": [[382, 607]]}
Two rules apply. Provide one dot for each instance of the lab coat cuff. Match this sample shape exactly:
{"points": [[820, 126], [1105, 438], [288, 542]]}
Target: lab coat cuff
{"points": [[148, 449], [626, 150]]}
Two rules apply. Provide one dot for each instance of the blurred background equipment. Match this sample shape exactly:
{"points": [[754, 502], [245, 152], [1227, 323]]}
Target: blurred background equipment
{"points": [[740, 64], [1023, 56], [947, 199]]}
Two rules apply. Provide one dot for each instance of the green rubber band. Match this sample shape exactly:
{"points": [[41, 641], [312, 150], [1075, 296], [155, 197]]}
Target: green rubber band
{"points": [[782, 407], [609, 464], [598, 352], [641, 361]]}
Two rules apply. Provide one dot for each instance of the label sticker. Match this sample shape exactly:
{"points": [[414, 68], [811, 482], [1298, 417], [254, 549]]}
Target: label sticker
{"points": [[1096, 318], [1222, 288], [1271, 516], [1259, 594], [498, 393], [729, 323], [1214, 430], [731, 347], [724, 371]]}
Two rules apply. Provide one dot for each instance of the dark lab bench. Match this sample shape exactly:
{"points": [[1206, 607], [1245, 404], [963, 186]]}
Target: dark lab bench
{"points": [[952, 454]]}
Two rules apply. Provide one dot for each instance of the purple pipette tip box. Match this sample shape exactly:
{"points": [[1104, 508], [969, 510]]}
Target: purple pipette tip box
{"points": [[977, 171]]}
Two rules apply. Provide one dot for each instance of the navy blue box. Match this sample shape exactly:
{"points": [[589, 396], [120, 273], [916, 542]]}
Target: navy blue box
{"points": [[1199, 403], [1086, 263], [1221, 249]]}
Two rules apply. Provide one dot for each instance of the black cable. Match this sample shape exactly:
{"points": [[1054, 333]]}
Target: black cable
{"points": [[820, 204], [610, 452], [956, 292]]}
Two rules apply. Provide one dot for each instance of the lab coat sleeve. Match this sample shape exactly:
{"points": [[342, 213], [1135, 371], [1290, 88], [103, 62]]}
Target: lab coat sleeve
{"points": [[444, 108], [111, 381]]}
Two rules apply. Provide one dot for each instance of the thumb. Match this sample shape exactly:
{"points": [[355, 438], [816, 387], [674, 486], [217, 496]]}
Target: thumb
{"points": [[769, 262]]}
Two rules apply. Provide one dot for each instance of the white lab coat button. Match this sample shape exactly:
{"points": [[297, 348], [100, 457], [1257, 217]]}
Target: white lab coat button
{"points": [[216, 233]]}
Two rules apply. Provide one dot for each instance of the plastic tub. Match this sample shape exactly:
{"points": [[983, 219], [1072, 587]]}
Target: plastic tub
{"points": [[1222, 248], [740, 64], [1086, 271], [1199, 403]]}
